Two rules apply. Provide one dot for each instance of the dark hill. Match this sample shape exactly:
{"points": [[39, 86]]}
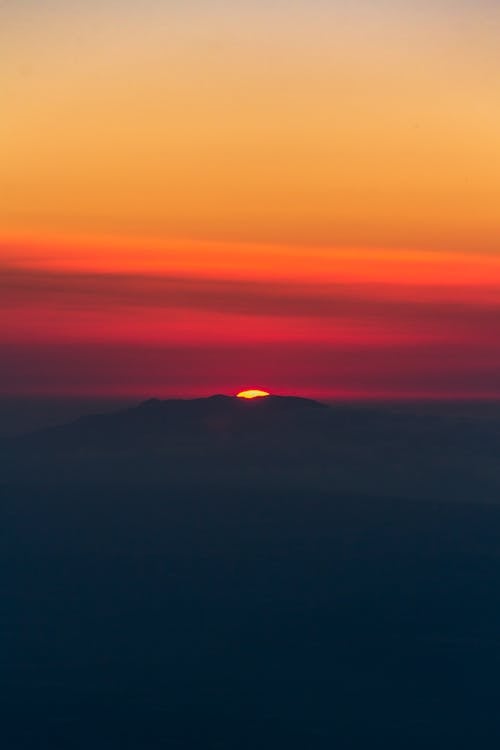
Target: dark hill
{"points": [[153, 422], [278, 441]]}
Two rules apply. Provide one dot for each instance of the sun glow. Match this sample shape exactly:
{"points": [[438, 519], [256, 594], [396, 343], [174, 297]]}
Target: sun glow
{"points": [[253, 394]]}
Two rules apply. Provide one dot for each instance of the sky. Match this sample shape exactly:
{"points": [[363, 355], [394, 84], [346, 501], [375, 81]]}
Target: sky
{"points": [[204, 196]]}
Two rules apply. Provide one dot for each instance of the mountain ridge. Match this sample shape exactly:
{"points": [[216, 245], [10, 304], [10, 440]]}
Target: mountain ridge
{"points": [[276, 441], [164, 417]]}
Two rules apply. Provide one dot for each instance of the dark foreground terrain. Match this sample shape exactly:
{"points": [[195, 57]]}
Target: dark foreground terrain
{"points": [[249, 609]]}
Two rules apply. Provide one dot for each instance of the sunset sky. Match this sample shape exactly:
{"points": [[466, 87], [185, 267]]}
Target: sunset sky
{"points": [[204, 196]]}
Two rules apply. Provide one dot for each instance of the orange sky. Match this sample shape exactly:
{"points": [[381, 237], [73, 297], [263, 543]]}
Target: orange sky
{"points": [[222, 187]]}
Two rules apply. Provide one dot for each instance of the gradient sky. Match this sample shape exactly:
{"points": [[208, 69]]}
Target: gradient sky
{"points": [[205, 196]]}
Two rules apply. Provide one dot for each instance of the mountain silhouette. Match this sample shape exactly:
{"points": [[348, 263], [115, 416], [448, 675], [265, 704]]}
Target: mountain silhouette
{"points": [[276, 441], [153, 421]]}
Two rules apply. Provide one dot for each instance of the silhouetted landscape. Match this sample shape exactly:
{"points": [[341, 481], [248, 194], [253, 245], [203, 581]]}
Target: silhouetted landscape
{"points": [[275, 573]]}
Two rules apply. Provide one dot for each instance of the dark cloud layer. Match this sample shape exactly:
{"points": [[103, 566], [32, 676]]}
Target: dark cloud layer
{"points": [[75, 291], [451, 347], [147, 370]]}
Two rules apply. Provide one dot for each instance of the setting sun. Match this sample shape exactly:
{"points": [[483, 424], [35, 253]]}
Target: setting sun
{"points": [[252, 394]]}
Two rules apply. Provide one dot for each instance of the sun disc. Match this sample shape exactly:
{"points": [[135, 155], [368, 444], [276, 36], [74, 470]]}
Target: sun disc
{"points": [[253, 394]]}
